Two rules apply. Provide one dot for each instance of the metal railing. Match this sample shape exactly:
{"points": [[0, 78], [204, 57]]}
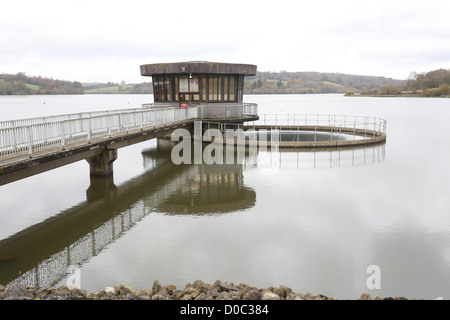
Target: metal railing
{"points": [[26, 137], [227, 110], [62, 117], [342, 124], [345, 121], [40, 134], [310, 130]]}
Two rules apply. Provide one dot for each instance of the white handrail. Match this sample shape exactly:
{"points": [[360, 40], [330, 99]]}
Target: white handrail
{"points": [[325, 120], [28, 139]]}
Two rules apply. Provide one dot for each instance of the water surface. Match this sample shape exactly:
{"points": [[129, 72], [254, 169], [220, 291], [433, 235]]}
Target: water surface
{"points": [[313, 221]]}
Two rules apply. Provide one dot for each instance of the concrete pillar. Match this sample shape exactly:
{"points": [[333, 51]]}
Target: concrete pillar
{"points": [[102, 165], [101, 188]]}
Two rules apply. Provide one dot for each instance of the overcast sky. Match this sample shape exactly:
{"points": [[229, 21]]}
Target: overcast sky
{"points": [[107, 40]]}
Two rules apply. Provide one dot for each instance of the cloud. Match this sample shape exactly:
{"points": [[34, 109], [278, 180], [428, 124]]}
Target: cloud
{"points": [[108, 40]]}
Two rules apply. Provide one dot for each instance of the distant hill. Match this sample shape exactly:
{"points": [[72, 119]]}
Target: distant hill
{"points": [[116, 88], [434, 83], [313, 82], [22, 84], [430, 84]]}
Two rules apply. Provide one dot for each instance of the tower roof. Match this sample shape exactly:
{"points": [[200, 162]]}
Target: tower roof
{"points": [[201, 67]]}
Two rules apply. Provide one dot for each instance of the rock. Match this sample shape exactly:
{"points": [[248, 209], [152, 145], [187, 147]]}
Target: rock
{"points": [[286, 290], [156, 286], [201, 296], [177, 294], [125, 289], [294, 296], [278, 292], [170, 289], [251, 295], [225, 287], [212, 292], [268, 295], [63, 290], [78, 293], [308, 296], [144, 292], [54, 297], [223, 296], [198, 284], [186, 297], [193, 292], [15, 291], [365, 296], [41, 291], [131, 296], [110, 290]]}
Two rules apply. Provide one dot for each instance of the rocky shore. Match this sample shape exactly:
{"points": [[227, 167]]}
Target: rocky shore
{"points": [[192, 291]]}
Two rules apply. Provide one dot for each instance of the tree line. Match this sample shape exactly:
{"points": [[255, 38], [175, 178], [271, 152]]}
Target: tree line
{"points": [[431, 84], [312, 82], [119, 88], [428, 84], [21, 84]]}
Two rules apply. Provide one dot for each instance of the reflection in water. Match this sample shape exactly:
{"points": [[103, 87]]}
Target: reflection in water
{"points": [[292, 158], [41, 254]]}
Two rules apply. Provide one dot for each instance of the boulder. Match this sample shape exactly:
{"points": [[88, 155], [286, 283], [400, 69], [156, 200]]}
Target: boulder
{"points": [[268, 295], [17, 291]]}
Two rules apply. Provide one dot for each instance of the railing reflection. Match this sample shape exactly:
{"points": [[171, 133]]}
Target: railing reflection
{"points": [[43, 253], [291, 158]]}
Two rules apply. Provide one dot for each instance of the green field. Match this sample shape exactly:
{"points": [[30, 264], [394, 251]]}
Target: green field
{"points": [[333, 84], [113, 89], [32, 86]]}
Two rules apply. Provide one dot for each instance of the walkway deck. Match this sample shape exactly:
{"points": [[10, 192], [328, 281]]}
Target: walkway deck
{"points": [[32, 146]]}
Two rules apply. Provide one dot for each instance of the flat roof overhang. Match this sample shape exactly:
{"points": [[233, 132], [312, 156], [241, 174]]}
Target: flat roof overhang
{"points": [[198, 67]]}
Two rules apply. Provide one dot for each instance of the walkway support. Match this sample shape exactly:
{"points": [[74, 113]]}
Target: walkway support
{"points": [[102, 164]]}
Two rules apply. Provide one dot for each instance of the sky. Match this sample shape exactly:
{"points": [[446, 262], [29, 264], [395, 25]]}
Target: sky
{"points": [[107, 40]]}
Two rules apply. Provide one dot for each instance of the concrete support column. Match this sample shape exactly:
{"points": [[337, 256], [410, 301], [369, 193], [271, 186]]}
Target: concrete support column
{"points": [[101, 188], [102, 165]]}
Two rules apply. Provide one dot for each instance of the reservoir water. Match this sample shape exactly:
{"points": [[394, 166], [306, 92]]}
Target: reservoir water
{"points": [[311, 220]]}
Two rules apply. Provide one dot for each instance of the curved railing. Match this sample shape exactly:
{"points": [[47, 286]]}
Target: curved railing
{"points": [[338, 122], [312, 130]]}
